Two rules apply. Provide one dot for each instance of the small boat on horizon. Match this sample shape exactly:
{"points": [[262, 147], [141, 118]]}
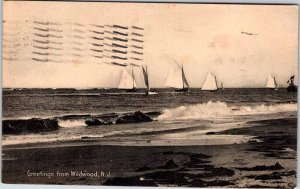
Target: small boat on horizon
{"points": [[222, 88], [210, 83], [271, 83], [292, 87]]}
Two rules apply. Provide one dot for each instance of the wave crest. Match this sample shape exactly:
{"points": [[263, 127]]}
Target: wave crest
{"points": [[72, 123], [214, 109]]}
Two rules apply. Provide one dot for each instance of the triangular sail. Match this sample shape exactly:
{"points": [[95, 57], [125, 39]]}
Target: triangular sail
{"points": [[216, 82], [126, 80], [146, 78], [133, 80], [210, 83], [174, 78], [276, 85], [184, 79], [271, 82]]}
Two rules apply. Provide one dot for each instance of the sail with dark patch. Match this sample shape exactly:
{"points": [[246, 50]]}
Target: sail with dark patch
{"points": [[292, 87], [184, 79], [146, 78]]}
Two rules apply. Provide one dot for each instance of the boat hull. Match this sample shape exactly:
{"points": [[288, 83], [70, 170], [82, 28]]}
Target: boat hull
{"points": [[182, 90], [292, 88], [132, 90], [151, 93], [213, 90]]}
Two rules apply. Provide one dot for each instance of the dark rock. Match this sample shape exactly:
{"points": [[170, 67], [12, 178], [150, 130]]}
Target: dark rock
{"points": [[168, 177], [220, 171], [129, 181], [96, 122], [169, 165], [33, 125], [201, 183], [273, 176], [137, 117], [277, 166]]}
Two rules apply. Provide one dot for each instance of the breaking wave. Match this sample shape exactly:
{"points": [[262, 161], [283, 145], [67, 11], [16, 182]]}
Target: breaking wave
{"points": [[214, 109], [47, 124], [72, 123]]}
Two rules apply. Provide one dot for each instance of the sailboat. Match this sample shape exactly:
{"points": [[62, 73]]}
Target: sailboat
{"points": [[292, 87], [271, 83], [146, 79], [177, 79], [210, 83], [127, 81]]}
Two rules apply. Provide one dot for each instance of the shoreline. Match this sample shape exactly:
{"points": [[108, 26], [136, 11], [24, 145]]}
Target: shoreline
{"points": [[269, 163]]}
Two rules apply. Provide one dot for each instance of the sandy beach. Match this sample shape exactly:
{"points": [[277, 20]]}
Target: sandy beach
{"points": [[269, 160]]}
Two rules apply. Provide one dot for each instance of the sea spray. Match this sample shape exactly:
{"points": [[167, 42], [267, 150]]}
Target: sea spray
{"points": [[72, 123], [221, 109]]}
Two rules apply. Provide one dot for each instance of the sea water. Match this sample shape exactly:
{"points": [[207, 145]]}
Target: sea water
{"points": [[182, 118]]}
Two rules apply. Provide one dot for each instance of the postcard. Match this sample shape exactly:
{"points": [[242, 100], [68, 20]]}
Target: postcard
{"points": [[150, 94]]}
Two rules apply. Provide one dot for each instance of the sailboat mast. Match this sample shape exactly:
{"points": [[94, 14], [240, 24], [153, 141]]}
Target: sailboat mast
{"points": [[132, 78], [292, 76], [216, 82], [182, 75], [148, 86]]}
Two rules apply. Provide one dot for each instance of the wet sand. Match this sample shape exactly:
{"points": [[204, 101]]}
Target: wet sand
{"points": [[267, 161]]}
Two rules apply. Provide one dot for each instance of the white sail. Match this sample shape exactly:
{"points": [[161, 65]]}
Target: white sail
{"points": [[210, 83], [276, 85], [126, 81], [271, 82], [174, 78]]}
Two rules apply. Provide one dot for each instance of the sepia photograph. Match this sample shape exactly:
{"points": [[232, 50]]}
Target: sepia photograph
{"points": [[157, 94]]}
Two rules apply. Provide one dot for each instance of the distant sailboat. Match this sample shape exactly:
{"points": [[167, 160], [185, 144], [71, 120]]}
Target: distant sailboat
{"points": [[271, 83], [292, 87], [127, 81], [276, 85], [177, 79], [210, 83], [222, 88], [146, 79]]}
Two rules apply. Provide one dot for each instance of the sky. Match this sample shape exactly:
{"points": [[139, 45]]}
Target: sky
{"points": [[240, 44]]}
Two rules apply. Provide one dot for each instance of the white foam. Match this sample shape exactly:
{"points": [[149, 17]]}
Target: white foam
{"points": [[72, 123], [221, 109]]}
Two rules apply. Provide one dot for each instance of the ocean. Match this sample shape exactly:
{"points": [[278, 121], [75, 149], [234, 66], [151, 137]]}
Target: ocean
{"points": [[178, 118]]}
